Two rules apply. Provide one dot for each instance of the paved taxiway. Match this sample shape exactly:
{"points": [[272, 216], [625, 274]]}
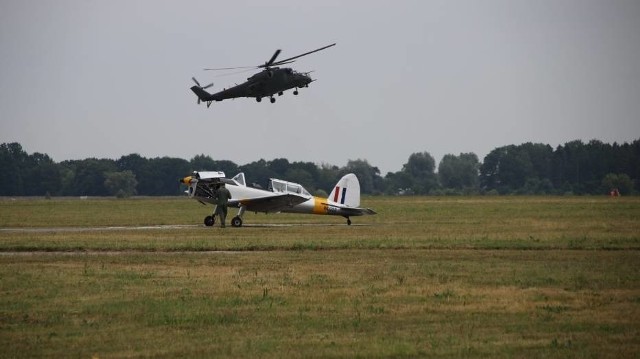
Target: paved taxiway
{"points": [[169, 226]]}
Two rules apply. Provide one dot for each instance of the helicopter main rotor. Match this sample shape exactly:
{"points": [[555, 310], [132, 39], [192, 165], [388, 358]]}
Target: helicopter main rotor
{"points": [[272, 61]]}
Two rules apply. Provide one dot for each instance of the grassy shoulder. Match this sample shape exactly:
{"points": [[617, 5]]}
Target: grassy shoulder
{"points": [[322, 303], [401, 222], [445, 276]]}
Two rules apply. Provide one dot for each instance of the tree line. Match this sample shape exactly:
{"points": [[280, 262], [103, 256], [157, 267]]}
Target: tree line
{"points": [[531, 168]]}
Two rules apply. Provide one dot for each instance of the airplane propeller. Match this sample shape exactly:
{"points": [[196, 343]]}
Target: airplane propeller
{"points": [[203, 88]]}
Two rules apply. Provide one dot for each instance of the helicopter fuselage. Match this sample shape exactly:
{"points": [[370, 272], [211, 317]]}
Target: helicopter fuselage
{"points": [[265, 83]]}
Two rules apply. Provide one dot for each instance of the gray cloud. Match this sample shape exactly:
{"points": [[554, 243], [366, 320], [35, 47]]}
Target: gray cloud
{"points": [[105, 79]]}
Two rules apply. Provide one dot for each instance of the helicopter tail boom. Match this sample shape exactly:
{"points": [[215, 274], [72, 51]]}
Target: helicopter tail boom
{"points": [[202, 94]]}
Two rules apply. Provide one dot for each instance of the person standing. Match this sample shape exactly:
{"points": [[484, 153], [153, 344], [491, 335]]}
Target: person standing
{"points": [[223, 199]]}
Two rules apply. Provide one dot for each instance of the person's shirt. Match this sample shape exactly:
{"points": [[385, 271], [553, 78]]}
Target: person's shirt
{"points": [[223, 195]]}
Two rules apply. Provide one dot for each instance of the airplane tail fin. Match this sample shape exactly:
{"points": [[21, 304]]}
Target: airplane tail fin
{"points": [[346, 191]]}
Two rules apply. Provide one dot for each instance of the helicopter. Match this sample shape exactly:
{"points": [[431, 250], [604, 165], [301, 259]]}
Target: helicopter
{"points": [[266, 83]]}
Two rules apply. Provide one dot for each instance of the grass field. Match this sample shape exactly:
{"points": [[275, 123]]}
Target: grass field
{"points": [[427, 276]]}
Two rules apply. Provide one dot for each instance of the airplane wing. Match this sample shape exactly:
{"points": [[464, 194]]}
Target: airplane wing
{"points": [[275, 203]]}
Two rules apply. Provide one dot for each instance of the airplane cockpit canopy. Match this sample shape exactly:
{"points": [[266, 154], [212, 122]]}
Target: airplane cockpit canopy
{"points": [[280, 186]]}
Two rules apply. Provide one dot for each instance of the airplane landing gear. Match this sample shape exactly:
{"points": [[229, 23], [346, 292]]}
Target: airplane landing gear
{"points": [[273, 100], [295, 92], [258, 99], [209, 221], [236, 222]]}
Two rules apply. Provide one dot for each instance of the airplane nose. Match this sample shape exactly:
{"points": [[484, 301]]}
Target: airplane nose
{"points": [[307, 79], [186, 180]]}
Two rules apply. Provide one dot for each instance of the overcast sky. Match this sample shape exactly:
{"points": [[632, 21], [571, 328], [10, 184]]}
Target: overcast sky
{"points": [[83, 79]]}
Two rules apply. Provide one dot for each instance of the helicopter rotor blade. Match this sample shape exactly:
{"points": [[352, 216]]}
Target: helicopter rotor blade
{"points": [[281, 62], [272, 59], [286, 62], [236, 72], [198, 84], [230, 68]]}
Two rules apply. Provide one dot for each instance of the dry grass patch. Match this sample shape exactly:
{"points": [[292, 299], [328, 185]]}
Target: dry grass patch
{"points": [[494, 277]]}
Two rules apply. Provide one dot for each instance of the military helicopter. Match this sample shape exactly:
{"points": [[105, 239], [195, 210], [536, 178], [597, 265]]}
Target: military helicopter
{"points": [[266, 83]]}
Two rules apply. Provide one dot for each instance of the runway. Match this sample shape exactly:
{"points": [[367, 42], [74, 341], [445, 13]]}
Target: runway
{"points": [[165, 227], [94, 229]]}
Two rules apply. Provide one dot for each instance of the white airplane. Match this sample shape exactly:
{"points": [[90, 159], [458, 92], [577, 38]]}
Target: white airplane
{"points": [[282, 196]]}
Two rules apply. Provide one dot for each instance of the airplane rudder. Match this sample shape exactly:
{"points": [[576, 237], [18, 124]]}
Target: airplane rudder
{"points": [[346, 191]]}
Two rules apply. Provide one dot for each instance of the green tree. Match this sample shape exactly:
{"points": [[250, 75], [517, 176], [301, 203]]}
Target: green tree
{"points": [[203, 163], [161, 178], [398, 183], [459, 172], [140, 167], [89, 176], [420, 167], [42, 176], [258, 172], [279, 167], [621, 181], [509, 169], [121, 184], [328, 176], [368, 176], [13, 161], [301, 176], [206, 163]]}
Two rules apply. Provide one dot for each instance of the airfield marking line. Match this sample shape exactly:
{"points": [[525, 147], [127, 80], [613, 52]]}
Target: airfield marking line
{"points": [[82, 229], [112, 253], [173, 226]]}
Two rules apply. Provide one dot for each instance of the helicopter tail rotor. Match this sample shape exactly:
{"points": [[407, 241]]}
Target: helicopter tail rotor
{"points": [[197, 83], [200, 90]]}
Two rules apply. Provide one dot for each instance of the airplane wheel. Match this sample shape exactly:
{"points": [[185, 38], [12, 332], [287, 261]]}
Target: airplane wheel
{"points": [[258, 99], [236, 222], [348, 222], [295, 92], [209, 221], [273, 100]]}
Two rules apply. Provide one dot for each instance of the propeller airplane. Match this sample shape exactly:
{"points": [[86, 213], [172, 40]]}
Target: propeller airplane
{"points": [[282, 196], [266, 83]]}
